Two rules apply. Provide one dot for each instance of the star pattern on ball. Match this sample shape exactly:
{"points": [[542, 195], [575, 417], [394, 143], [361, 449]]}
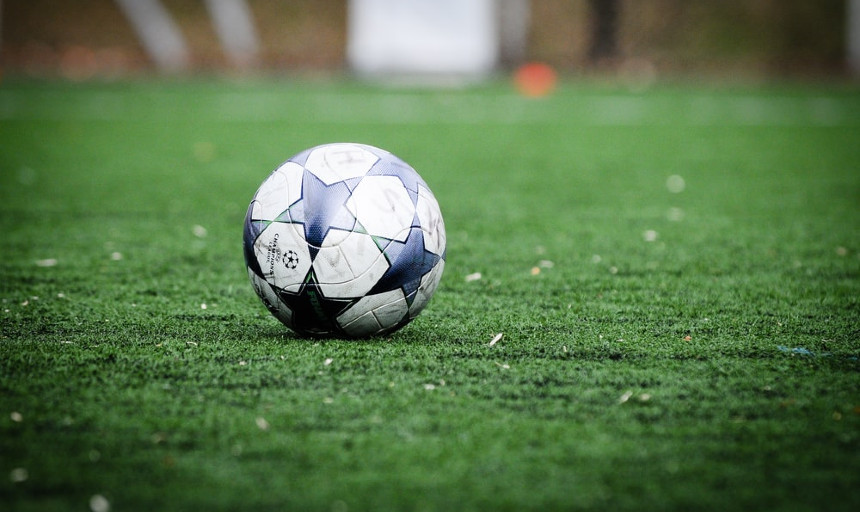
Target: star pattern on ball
{"points": [[393, 166], [409, 262], [322, 208], [313, 312], [291, 260], [347, 230]]}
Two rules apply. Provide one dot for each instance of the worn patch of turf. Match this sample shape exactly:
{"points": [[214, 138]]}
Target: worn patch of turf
{"points": [[674, 273]]}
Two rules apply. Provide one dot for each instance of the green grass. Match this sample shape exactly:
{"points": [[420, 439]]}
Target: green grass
{"points": [[692, 350]]}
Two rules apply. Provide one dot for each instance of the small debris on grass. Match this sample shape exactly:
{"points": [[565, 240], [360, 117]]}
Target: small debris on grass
{"points": [[429, 387], [203, 306], [503, 366], [644, 397], [675, 184], [27, 176], [192, 343], [596, 258], [204, 151], [496, 339], [49, 262], [649, 235], [473, 277], [16, 417], [535, 271], [19, 475], [243, 363], [688, 338], [841, 251], [625, 397], [199, 231], [116, 256], [328, 400], [262, 424], [328, 361], [99, 503], [675, 214], [546, 264]]}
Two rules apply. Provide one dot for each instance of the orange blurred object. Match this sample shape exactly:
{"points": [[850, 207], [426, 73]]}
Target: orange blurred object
{"points": [[535, 79]]}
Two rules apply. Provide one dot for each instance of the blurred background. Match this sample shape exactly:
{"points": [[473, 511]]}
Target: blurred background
{"points": [[725, 39]]}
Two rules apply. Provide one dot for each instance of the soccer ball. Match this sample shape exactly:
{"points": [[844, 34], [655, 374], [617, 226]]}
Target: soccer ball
{"points": [[344, 240]]}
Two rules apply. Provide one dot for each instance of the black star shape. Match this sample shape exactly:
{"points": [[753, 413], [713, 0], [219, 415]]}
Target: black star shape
{"points": [[313, 313], [291, 260]]}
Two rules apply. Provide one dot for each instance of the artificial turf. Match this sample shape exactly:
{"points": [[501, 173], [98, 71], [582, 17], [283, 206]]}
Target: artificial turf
{"points": [[674, 273]]}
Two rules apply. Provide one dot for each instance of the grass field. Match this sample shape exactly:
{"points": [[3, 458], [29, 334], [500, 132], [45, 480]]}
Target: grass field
{"points": [[675, 273]]}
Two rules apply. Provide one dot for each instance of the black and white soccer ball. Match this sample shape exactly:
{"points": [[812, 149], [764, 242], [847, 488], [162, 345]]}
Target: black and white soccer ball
{"points": [[344, 240]]}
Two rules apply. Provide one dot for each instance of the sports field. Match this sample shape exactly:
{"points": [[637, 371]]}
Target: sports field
{"points": [[674, 273]]}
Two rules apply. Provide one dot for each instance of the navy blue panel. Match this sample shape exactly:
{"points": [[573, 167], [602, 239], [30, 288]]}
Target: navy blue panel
{"points": [[409, 261], [313, 313], [302, 158], [393, 166], [321, 208], [249, 236]]}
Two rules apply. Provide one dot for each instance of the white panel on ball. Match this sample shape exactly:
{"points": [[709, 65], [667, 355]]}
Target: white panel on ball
{"points": [[431, 221], [283, 255], [373, 312], [273, 303], [351, 267], [338, 162], [426, 289], [383, 207], [294, 174], [269, 202]]}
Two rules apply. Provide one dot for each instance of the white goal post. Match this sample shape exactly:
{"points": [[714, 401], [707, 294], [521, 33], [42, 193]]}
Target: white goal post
{"points": [[852, 35], [158, 33], [163, 41], [234, 25]]}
